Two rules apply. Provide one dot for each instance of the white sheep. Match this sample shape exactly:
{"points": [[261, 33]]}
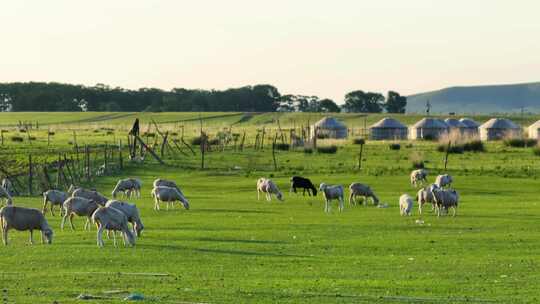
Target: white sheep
{"points": [[8, 185], [55, 197], [91, 195], [20, 218], [446, 199], [268, 187], [405, 204], [168, 195], [109, 218], [4, 194], [358, 189], [330, 193], [78, 206], [132, 213], [418, 176], [129, 186], [166, 183], [424, 196], [443, 180]]}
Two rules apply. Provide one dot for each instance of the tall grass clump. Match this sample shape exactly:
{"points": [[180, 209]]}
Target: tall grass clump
{"points": [[359, 141], [417, 160], [16, 138], [394, 146], [282, 146], [460, 143]]}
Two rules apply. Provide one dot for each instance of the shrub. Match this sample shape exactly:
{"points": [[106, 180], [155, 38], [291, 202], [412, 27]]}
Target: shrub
{"points": [[308, 150], [417, 160], [32, 138], [17, 138], [196, 141], [409, 145], [323, 135], [328, 150], [474, 146], [149, 134], [213, 141], [394, 146], [51, 133], [174, 133], [96, 131], [22, 130], [456, 149], [536, 151], [359, 141], [110, 132], [282, 146], [520, 142]]}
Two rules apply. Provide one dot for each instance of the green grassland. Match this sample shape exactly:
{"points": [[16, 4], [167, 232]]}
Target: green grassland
{"points": [[231, 248]]}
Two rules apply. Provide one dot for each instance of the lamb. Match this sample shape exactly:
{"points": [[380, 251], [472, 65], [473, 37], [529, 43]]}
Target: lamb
{"points": [[132, 213], [6, 196], [425, 195], [358, 189], [443, 180], [128, 185], [8, 186], [304, 183], [446, 199], [20, 218], [418, 176], [405, 204], [91, 195], [55, 197], [267, 186], [166, 183], [330, 193], [169, 195], [112, 219], [79, 206]]}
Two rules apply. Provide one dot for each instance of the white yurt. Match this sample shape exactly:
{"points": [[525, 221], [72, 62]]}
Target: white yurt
{"points": [[455, 125], [471, 126], [428, 128], [499, 128], [329, 127], [534, 130], [388, 129]]}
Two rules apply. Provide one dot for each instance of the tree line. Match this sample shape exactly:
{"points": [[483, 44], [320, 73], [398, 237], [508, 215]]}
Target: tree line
{"points": [[41, 96]]}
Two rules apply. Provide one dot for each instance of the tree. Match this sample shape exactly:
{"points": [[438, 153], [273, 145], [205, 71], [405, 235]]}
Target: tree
{"points": [[328, 105], [395, 103], [365, 102]]}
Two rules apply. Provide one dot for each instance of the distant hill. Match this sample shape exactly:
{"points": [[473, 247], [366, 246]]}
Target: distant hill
{"points": [[479, 99]]}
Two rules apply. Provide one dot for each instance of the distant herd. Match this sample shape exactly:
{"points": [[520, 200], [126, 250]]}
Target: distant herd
{"points": [[116, 216]]}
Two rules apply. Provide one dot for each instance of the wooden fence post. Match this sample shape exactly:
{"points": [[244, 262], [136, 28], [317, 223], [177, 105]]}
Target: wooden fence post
{"points": [[274, 152], [30, 174], [120, 159]]}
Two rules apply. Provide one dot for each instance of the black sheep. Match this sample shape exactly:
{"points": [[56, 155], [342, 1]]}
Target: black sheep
{"points": [[304, 183]]}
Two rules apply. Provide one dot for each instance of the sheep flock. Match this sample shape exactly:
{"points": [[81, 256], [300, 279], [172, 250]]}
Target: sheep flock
{"points": [[113, 215]]}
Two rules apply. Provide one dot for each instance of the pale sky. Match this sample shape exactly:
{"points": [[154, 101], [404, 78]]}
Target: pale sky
{"points": [[324, 48]]}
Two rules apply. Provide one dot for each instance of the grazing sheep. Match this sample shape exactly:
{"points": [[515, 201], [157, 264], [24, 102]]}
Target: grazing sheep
{"points": [[358, 189], [330, 193], [79, 206], [405, 205], [72, 189], [446, 199], [20, 218], [91, 195], [166, 183], [132, 213], [304, 183], [424, 196], [4, 194], [443, 180], [128, 185], [418, 176], [55, 197], [168, 195], [8, 186], [112, 219], [268, 187]]}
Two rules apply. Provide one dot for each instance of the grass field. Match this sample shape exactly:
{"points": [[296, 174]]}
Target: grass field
{"points": [[231, 248]]}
